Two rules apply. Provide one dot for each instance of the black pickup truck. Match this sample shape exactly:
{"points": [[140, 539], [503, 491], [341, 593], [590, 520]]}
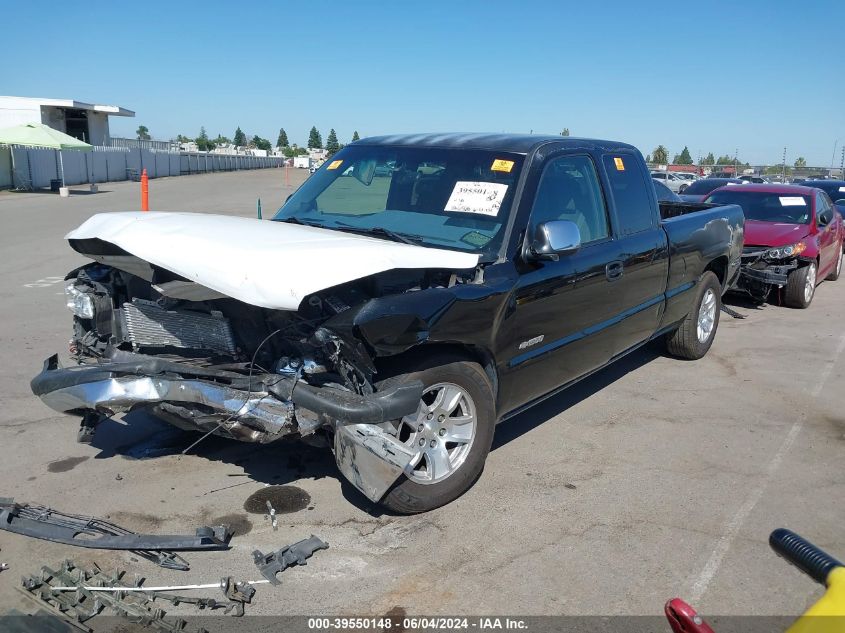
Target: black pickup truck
{"points": [[412, 293]]}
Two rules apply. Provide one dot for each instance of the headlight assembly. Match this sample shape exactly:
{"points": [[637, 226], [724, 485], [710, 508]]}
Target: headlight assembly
{"points": [[78, 302], [783, 252]]}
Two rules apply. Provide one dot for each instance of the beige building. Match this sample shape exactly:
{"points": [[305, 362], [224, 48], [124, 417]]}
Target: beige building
{"points": [[88, 122]]}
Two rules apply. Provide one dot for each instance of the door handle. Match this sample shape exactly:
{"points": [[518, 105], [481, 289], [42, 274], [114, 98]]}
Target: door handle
{"points": [[614, 270]]}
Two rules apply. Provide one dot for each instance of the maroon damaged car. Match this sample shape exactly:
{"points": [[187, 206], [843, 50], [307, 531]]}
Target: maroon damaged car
{"points": [[793, 240]]}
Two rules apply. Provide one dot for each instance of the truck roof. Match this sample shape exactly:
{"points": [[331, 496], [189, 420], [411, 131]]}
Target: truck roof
{"points": [[515, 143]]}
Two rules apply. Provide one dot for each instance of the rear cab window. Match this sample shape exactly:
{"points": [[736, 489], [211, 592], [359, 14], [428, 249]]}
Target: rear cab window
{"points": [[631, 195]]}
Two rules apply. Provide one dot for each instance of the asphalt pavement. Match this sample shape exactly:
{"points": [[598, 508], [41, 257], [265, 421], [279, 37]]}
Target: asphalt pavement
{"points": [[652, 479]]}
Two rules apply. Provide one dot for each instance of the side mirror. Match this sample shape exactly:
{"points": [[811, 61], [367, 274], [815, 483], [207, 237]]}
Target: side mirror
{"points": [[825, 218], [555, 238]]}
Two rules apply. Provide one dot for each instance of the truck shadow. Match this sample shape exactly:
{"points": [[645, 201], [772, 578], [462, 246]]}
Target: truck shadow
{"points": [[524, 422], [139, 436]]}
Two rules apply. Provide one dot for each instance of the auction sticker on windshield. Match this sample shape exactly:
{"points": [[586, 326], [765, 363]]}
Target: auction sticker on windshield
{"points": [[792, 201], [500, 164], [484, 198]]}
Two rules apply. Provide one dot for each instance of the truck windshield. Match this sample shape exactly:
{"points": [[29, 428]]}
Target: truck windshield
{"points": [[765, 206], [447, 198]]}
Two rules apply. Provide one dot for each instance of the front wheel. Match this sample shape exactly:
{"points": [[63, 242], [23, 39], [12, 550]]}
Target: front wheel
{"points": [[801, 286], [451, 433], [693, 338]]}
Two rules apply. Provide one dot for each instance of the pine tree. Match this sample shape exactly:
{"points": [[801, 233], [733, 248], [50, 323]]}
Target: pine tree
{"points": [[355, 136], [684, 158], [332, 146], [239, 138], [203, 144], [283, 138], [315, 141]]}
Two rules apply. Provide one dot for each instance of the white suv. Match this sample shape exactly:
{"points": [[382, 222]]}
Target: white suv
{"points": [[674, 182]]}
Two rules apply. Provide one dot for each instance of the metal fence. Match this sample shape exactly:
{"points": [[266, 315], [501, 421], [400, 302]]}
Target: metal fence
{"points": [[136, 143], [35, 168]]}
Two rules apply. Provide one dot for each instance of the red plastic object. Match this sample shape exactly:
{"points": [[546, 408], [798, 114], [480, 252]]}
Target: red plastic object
{"points": [[683, 618], [145, 191]]}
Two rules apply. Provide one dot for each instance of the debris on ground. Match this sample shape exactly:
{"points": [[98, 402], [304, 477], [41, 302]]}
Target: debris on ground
{"points": [[81, 594], [271, 564], [271, 514], [731, 312], [60, 527]]}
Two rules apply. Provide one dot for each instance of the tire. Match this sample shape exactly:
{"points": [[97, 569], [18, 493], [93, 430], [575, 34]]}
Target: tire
{"points": [[834, 274], [417, 491], [801, 286], [689, 341], [682, 188]]}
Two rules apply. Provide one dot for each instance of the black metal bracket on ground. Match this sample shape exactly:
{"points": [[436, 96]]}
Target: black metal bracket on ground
{"points": [[60, 527], [271, 564], [731, 312]]}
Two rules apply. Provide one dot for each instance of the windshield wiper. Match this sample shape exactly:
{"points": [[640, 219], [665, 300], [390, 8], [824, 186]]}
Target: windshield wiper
{"points": [[405, 238], [293, 220]]}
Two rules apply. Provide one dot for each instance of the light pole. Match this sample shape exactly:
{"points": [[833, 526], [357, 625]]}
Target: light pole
{"points": [[783, 167], [833, 156]]}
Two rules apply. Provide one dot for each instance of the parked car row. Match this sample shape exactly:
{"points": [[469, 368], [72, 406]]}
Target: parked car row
{"points": [[793, 233]]}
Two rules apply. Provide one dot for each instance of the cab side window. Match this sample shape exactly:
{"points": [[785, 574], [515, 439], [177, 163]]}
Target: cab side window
{"points": [[569, 189], [630, 192]]}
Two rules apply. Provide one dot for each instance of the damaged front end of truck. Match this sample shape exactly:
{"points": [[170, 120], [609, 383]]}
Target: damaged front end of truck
{"points": [[161, 339]]}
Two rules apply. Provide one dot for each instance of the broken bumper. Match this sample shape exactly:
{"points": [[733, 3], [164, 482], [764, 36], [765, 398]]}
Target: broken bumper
{"points": [[773, 275], [263, 410]]}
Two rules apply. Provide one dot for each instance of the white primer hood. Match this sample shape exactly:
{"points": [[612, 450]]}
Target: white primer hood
{"points": [[267, 264]]}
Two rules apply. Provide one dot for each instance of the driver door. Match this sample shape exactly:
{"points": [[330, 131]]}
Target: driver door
{"points": [[828, 236], [553, 334]]}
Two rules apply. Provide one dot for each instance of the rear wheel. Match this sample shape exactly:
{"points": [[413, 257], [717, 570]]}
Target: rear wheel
{"points": [[801, 286], [694, 337], [451, 433]]}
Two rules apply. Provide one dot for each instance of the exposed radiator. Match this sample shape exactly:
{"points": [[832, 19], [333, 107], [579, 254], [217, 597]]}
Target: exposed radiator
{"points": [[148, 325]]}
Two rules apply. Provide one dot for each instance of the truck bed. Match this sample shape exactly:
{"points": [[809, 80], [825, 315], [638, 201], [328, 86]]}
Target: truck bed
{"points": [[669, 209]]}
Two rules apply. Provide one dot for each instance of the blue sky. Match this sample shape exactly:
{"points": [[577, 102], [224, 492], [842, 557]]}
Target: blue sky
{"points": [[754, 76]]}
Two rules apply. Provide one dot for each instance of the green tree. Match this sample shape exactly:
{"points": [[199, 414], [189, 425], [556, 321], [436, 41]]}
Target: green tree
{"points": [[183, 139], [315, 141], [355, 136], [725, 160], [143, 133], [709, 159], [565, 132], [648, 158], [683, 158], [240, 138], [283, 138], [204, 144], [660, 155], [800, 163], [221, 140], [332, 145], [261, 143]]}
